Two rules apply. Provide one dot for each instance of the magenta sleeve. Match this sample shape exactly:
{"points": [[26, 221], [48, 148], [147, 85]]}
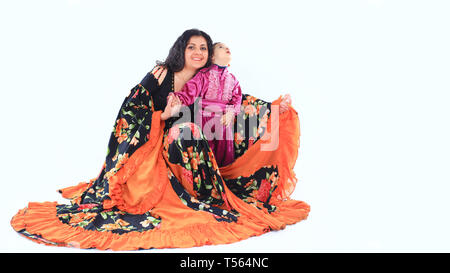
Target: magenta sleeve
{"points": [[191, 90], [236, 98]]}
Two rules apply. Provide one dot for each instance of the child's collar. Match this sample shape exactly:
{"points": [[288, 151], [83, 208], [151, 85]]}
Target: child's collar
{"points": [[223, 67]]}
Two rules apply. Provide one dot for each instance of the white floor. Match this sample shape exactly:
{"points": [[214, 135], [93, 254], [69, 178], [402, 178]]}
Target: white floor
{"points": [[370, 80]]}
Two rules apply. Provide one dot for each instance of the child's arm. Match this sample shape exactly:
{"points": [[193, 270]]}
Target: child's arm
{"points": [[191, 90], [236, 99], [234, 106]]}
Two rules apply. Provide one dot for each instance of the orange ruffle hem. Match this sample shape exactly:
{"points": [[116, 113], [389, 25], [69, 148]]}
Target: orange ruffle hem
{"points": [[142, 184]]}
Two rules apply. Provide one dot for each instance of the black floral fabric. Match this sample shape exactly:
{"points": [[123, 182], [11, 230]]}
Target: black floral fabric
{"points": [[130, 131], [185, 147], [250, 124], [94, 217]]}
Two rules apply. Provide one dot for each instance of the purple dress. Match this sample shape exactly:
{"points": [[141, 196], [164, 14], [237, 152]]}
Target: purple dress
{"points": [[219, 91]]}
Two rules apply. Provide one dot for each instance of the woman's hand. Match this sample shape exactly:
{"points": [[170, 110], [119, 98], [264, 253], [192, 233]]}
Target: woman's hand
{"points": [[227, 118], [174, 99], [173, 107], [284, 104]]}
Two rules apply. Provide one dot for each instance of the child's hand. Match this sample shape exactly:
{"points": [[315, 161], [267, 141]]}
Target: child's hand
{"points": [[227, 118]]}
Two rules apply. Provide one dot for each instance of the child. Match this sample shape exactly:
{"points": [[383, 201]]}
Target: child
{"points": [[221, 98]]}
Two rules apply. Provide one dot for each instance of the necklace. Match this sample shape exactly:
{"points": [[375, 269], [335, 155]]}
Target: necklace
{"points": [[173, 82]]}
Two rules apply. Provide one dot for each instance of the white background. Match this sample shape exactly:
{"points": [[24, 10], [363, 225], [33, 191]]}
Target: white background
{"points": [[370, 80]]}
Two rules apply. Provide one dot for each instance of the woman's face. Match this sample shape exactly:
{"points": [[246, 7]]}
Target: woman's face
{"points": [[196, 53]]}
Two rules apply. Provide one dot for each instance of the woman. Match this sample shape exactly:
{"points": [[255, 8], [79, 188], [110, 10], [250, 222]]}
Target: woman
{"points": [[160, 186]]}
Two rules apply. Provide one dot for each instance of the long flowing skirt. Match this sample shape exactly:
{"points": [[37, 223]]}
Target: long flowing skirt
{"points": [[160, 187]]}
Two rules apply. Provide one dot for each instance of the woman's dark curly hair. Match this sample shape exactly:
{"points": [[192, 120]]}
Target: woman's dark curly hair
{"points": [[175, 59]]}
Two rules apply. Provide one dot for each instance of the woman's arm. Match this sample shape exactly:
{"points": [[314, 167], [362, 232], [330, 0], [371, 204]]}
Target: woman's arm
{"points": [[154, 78]]}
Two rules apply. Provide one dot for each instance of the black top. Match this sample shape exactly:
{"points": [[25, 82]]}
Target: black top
{"points": [[158, 92]]}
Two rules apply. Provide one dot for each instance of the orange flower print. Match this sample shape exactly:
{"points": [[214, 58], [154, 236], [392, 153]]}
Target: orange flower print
{"points": [[135, 94], [195, 130], [250, 200], [273, 177], [122, 160], [76, 218], [115, 156], [249, 183], [214, 163], [211, 155], [197, 179], [188, 176], [215, 194], [194, 164], [251, 140], [79, 217], [185, 157], [264, 190], [166, 143], [121, 124], [86, 206], [212, 158], [238, 138], [90, 215], [203, 172], [250, 110], [190, 150], [122, 138], [110, 173], [225, 199], [76, 200], [122, 222], [100, 192], [110, 226], [263, 122], [174, 132]]}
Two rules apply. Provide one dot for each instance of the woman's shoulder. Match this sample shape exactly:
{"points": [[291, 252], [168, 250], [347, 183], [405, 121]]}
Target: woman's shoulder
{"points": [[159, 72]]}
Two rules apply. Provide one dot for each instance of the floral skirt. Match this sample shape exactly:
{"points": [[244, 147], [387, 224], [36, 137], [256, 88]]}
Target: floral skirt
{"points": [[169, 192]]}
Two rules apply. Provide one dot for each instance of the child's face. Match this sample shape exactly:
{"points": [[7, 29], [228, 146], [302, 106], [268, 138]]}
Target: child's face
{"points": [[222, 54]]}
